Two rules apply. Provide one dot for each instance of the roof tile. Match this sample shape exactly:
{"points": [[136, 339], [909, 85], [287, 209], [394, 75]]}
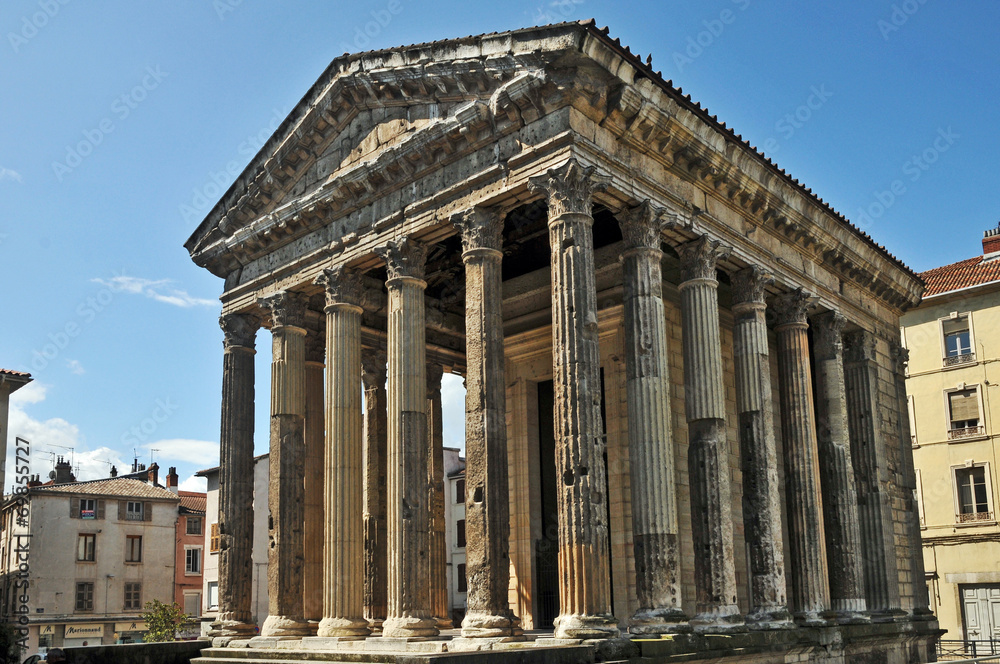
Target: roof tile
{"points": [[118, 486], [963, 274]]}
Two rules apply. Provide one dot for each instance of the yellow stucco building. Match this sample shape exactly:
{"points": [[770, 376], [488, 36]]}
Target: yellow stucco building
{"points": [[953, 339]]}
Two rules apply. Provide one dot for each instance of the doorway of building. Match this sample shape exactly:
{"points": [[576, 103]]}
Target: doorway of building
{"points": [[981, 611]]}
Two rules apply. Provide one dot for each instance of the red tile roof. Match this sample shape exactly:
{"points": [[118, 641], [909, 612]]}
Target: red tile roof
{"points": [[192, 501], [11, 372], [963, 274], [118, 486]]}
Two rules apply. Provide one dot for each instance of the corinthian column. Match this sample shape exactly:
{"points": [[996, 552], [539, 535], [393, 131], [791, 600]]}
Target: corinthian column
{"points": [[708, 451], [435, 483], [408, 614], [840, 497], [285, 556], [235, 617], [650, 436], [584, 578], [312, 593], [487, 511], [343, 557], [810, 589], [871, 472], [373, 373], [761, 497]]}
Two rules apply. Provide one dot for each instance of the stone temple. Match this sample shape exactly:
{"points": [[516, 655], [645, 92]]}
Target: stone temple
{"points": [[685, 409]]}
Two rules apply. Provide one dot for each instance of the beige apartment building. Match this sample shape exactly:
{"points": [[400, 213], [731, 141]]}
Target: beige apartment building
{"points": [[953, 339]]}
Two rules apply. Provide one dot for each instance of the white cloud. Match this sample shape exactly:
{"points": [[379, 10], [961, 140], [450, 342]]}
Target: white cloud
{"points": [[194, 484], [157, 289], [203, 453], [47, 439], [8, 174], [75, 367], [33, 392]]}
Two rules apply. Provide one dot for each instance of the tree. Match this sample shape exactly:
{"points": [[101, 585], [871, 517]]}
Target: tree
{"points": [[163, 621]]}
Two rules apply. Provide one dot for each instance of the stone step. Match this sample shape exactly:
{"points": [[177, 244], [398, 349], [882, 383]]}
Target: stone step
{"points": [[529, 655], [282, 656]]}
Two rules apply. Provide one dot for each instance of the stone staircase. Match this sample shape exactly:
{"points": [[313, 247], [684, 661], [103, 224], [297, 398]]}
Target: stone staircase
{"points": [[532, 655]]}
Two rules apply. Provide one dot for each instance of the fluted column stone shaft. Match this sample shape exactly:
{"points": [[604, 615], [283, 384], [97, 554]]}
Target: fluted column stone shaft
{"points": [[408, 514], [343, 557], [761, 494], [286, 559], [373, 373], [871, 472], [840, 496], [804, 506], [650, 434], [435, 482], [235, 616], [708, 451], [487, 511], [584, 576], [312, 592]]}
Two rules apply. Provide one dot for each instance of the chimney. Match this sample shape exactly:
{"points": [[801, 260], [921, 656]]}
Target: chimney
{"points": [[172, 479], [154, 474], [34, 480], [114, 471], [64, 472], [991, 241]]}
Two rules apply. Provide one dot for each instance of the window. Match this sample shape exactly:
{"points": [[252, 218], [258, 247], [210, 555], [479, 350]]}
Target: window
{"points": [[133, 511], [85, 547], [85, 596], [88, 508], [963, 413], [957, 335], [194, 525], [973, 494], [133, 596], [192, 603], [463, 582], [133, 549], [918, 495], [460, 531], [460, 491], [192, 560], [212, 599], [213, 542]]}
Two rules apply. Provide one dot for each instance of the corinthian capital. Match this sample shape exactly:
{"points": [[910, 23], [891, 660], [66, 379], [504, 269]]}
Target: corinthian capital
{"points": [[373, 368], [481, 228], [749, 285], [404, 258], [790, 308], [859, 346], [641, 225], [569, 188], [342, 285], [434, 374], [828, 331], [285, 308], [239, 330], [699, 258]]}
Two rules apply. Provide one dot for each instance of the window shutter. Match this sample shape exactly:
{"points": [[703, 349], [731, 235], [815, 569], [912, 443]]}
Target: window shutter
{"points": [[74, 508], [147, 511], [100, 509], [121, 510], [964, 405]]}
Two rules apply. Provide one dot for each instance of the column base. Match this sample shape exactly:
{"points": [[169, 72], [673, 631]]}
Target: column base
{"points": [[770, 618], [724, 619], [465, 643], [852, 617], [575, 626], [888, 615], [343, 628], [920, 615], [231, 628], [285, 626], [658, 621], [813, 618], [479, 624], [409, 627], [444, 623], [375, 625]]}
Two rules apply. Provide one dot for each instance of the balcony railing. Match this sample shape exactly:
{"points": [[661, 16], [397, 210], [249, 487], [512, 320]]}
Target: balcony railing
{"points": [[956, 650], [966, 432], [133, 516], [955, 360], [972, 517]]}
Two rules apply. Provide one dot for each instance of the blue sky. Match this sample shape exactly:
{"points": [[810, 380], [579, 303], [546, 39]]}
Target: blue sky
{"points": [[121, 123]]}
